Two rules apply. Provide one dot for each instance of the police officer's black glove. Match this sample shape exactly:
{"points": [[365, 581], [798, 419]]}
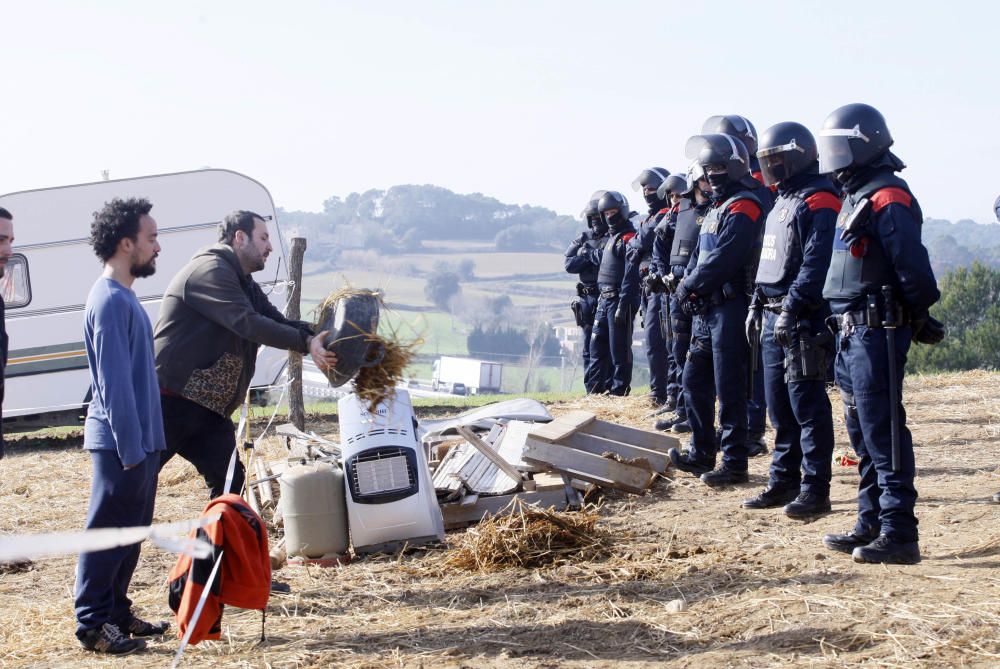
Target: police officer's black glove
{"points": [[784, 328], [623, 316], [927, 329], [750, 324], [653, 283]]}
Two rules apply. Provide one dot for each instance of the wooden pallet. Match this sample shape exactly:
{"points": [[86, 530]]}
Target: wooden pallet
{"points": [[606, 454]]}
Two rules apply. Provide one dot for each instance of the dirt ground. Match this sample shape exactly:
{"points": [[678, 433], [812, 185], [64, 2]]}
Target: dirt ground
{"points": [[755, 589]]}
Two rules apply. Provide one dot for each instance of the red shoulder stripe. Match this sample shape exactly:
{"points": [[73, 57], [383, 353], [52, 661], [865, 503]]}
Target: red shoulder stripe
{"points": [[627, 236], [747, 207], [664, 210], [883, 198], [823, 200]]}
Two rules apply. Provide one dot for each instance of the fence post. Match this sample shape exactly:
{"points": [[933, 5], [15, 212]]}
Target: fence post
{"points": [[296, 407]]}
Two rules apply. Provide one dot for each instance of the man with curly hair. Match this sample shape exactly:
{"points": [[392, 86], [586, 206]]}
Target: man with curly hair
{"points": [[124, 427]]}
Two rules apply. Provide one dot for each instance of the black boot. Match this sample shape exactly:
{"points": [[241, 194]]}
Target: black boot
{"points": [[996, 498], [685, 463], [771, 497], [885, 550], [847, 542], [681, 427], [723, 476], [664, 424], [807, 505], [756, 445]]}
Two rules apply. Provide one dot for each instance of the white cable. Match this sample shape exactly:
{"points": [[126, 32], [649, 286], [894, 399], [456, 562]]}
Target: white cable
{"points": [[197, 609]]}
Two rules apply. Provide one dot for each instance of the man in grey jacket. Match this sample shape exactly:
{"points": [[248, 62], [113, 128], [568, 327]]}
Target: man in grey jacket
{"points": [[213, 319]]}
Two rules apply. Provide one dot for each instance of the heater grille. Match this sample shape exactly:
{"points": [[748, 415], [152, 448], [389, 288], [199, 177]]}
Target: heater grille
{"points": [[383, 471], [375, 433]]}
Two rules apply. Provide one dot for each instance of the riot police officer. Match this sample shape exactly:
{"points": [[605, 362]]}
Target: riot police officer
{"points": [[616, 308], [741, 127], [653, 307], [880, 286], [664, 277], [714, 289], [583, 257], [795, 257]]}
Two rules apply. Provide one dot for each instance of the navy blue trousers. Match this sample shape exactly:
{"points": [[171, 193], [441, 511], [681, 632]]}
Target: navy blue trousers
{"points": [[655, 338], [612, 344], [680, 323], [800, 413], [588, 309], [885, 498], [716, 367], [757, 404], [118, 498]]}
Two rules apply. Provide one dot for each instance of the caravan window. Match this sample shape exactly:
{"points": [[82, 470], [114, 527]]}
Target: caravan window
{"points": [[14, 285]]}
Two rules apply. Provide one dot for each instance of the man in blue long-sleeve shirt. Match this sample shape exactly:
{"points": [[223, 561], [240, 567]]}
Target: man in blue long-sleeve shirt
{"points": [[124, 427]]}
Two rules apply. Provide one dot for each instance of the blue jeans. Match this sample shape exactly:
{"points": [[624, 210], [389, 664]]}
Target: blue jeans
{"points": [[588, 308], [610, 345], [885, 498], [800, 413], [118, 498], [757, 404], [716, 367], [655, 340]]}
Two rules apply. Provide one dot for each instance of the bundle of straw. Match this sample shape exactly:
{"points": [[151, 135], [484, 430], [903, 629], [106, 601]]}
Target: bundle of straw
{"points": [[521, 535]]}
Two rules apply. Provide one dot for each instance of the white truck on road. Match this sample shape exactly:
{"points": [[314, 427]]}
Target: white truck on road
{"points": [[475, 376]]}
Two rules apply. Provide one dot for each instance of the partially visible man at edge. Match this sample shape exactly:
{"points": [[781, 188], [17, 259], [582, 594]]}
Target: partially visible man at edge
{"points": [[213, 319], [6, 250]]}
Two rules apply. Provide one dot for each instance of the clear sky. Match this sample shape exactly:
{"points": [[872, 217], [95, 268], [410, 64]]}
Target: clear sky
{"points": [[531, 102]]}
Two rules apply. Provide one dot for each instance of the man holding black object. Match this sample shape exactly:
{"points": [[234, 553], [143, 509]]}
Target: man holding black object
{"points": [[213, 319], [794, 261], [880, 287]]}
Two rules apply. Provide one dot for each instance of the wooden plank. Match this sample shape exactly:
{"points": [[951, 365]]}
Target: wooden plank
{"points": [[598, 446], [456, 515], [264, 489], [511, 444], [655, 441], [548, 481], [488, 451], [562, 427], [588, 466]]}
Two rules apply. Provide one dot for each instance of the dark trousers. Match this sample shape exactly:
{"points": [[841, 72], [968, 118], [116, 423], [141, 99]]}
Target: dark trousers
{"points": [[655, 338], [757, 404], [800, 414], [716, 366], [885, 498], [118, 498], [680, 323], [203, 438], [588, 308], [614, 344]]}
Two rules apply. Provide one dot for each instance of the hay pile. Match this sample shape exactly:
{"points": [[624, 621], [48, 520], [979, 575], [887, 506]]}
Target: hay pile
{"points": [[525, 536]]}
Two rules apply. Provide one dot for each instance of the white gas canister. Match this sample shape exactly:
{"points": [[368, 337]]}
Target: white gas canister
{"points": [[314, 509]]}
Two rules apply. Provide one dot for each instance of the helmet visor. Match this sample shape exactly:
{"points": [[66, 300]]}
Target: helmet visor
{"points": [[775, 163], [835, 149]]}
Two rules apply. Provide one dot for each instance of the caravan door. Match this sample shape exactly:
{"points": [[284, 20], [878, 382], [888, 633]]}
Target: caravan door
{"points": [[53, 268]]}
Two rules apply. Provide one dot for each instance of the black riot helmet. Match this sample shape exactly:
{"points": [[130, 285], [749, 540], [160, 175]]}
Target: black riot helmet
{"points": [[675, 184], [852, 136], [612, 199], [723, 157], [593, 216], [786, 150], [651, 178], [735, 125]]}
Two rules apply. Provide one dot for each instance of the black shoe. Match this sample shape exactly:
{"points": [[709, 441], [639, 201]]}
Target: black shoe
{"points": [[756, 445], [670, 403], [771, 497], [723, 476], [685, 463], [885, 550], [665, 424], [109, 639], [138, 627], [278, 586], [847, 542], [681, 427], [996, 498], [807, 505]]}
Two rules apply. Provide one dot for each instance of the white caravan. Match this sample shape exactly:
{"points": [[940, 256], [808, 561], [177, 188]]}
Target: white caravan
{"points": [[53, 267]]}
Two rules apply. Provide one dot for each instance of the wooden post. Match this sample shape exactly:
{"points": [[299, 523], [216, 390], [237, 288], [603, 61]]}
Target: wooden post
{"points": [[296, 407]]}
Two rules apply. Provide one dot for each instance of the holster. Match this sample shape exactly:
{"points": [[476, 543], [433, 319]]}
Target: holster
{"points": [[813, 354], [576, 306]]}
